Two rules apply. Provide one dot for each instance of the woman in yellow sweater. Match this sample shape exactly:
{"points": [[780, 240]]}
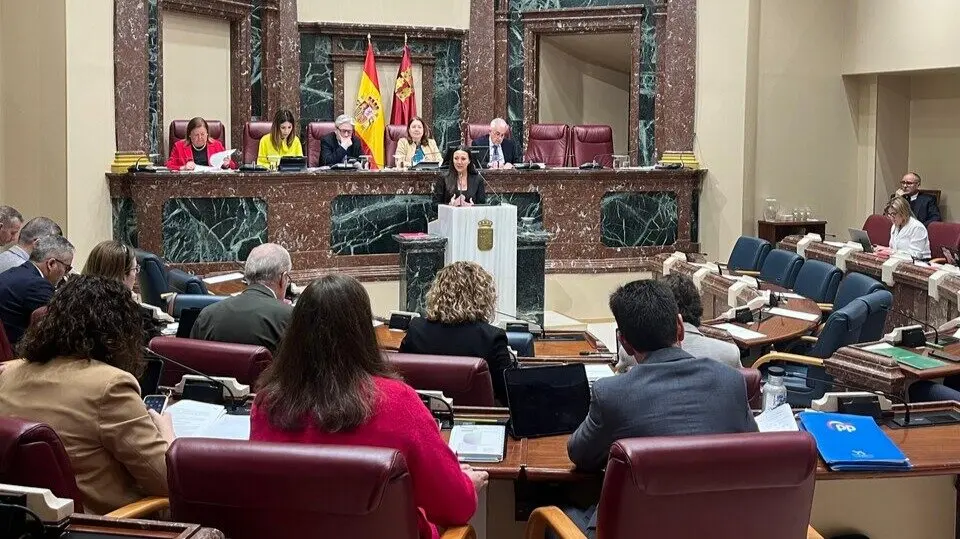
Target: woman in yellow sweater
{"points": [[281, 142]]}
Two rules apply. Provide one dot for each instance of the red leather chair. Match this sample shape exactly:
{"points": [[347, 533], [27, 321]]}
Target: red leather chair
{"points": [[32, 455], [301, 490], [549, 144], [743, 486], [391, 136], [475, 131], [592, 143], [178, 131], [315, 132], [878, 229], [244, 362], [252, 133], [752, 379], [943, 235], [466, 380]]}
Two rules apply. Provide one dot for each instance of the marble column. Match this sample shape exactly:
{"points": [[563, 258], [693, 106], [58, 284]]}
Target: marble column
{"points": [[420, 260], [531, 271]]}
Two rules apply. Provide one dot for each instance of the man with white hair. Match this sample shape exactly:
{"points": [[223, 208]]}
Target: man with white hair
{"points": [[258, 315], [340, 145], [501, 152]]}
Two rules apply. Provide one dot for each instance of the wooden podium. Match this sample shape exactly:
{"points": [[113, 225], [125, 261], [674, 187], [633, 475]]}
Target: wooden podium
{"points": [[486, 235]]}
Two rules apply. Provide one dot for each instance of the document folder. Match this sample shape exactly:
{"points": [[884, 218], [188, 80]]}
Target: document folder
{"points": [[853, 442]]}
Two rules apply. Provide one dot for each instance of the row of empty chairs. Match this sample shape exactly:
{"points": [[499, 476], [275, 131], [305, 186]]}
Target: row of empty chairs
{"points": [[552, 144]]}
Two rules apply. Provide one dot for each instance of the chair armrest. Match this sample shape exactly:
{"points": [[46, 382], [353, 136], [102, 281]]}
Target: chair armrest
{"points": [[140, 509], [553, 518], [825, 307], [938, 260], [783, 356], [751, 273], [813, 534], [809, 338], [463, 532]]}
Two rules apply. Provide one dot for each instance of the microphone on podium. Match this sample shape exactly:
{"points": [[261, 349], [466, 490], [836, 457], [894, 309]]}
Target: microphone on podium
{"points": [[593, 164], [233, 407]]}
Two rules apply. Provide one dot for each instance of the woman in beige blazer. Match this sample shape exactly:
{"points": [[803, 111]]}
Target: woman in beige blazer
{"points": [[416, 146], [77, 375]]}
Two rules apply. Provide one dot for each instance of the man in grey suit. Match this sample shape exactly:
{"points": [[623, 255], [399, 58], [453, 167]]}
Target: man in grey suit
{"points": [[258, 315], [668, 393]]}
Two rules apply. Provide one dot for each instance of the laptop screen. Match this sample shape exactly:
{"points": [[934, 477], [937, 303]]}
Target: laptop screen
{"points": [[548, 400], [188, 317]]}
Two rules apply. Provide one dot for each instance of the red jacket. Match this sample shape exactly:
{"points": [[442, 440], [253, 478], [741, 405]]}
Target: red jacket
{"points": [[444, 494], [182, 153]]}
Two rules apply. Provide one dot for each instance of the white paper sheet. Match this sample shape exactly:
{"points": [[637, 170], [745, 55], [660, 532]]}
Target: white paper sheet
{"points": [[596, 371], [217, 159], [779, 311], [190, 418], [223, 278], [478, 443], [789, 295], [835, 243], [779, 419], [229, 427], [740, 332]]}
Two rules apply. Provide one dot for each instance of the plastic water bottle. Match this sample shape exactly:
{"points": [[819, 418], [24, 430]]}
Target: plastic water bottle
{"points": [[774, 392]]}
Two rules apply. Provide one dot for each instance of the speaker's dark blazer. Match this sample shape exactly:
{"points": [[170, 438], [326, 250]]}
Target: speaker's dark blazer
{"points": [[476, 192]]}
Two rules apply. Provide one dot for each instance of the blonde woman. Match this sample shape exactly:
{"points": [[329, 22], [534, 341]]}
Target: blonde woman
{"points": [[907, 234], [416, 146], [460, 305]]}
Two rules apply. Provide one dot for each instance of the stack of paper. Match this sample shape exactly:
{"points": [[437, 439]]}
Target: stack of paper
{"points": [[740, 332], [193, 419], [478, 443], [779, 419], [853, 442]]}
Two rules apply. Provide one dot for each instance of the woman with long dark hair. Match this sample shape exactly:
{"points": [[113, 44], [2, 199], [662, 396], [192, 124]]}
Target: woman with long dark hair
{"points": [[281, 141], [330, 384], [462, 184]]}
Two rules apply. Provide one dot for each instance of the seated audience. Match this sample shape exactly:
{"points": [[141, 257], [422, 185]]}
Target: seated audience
{"points": [[330, 384], [282, 140], [668, 393], [416, 146], [196, 149], [10, 222], [923, 206], [30, 286], [460, 304], [340, 145], [501, 152], [78, 375], [461, 185], [258, 315], [907, 234], [35, 228]]}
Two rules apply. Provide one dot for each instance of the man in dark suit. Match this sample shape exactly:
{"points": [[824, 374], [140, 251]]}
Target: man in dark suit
{"points": [[500, 152], [27, 287], [258, 315], [341, 144], [924, 206], [668, 393]]}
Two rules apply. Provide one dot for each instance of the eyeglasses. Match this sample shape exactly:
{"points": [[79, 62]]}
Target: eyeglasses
{"points": [[346, 132], [67, 267], [908, 182], [135, 268]]}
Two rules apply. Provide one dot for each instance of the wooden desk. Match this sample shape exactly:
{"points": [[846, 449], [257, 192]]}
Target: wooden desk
{"points": [[547, 350], [856, 366], [779, 328], [112, 527], [774, 231]]}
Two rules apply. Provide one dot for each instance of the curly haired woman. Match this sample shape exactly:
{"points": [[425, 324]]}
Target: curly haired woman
{"points": [[78, 375], [460, 304]]}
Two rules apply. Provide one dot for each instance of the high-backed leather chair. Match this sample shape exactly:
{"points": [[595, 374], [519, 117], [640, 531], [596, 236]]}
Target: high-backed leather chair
{"points": [[942, 235], [244, 362], [751, 378], [178, 131], [178, 302], [592, 143], [475, 131], [466, 380], [878, 229], [522, 343], [748, 254], [722, 486], [878, 303], [185, 283], [818, 281], [252, 133], [152, 277], [781, 268], [315, 132], [855, 285], [548, 144], [391, 136], [314, 490]]}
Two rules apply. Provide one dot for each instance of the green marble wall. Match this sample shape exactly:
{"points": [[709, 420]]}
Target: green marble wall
{"points": [[639, 219]]}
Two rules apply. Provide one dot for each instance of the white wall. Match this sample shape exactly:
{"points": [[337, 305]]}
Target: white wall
{"points": [[196, 70], [445, 13], [387, 76], [935, 136], [892, 136]]}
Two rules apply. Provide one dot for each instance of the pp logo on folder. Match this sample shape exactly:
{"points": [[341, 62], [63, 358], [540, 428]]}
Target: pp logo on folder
{"points": [[840, 426]]}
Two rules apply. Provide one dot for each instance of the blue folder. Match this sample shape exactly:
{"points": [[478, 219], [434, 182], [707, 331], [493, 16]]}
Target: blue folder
{"points": [[853, 442]]}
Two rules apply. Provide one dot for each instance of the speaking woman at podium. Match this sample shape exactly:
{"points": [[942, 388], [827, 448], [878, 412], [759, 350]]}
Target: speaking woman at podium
{"points": [[461, 185]]}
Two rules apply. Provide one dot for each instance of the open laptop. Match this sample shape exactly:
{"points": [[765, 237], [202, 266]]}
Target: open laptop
{"points": [[547, 400], [861, 237]]}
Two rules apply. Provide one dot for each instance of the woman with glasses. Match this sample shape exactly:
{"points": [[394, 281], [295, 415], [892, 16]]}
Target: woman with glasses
{"points": [[907, 234]]}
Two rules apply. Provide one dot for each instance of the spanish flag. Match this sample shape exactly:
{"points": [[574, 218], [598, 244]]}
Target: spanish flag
{"points": [[368, 114], [404, 100]]}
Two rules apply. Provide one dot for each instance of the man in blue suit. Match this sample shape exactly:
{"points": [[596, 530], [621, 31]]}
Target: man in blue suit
{"points": [[25, 288], [497, 151]]}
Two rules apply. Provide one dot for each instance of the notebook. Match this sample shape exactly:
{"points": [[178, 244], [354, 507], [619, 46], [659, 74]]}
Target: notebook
{"points": [[478, 443], [852, 442], [547, 400]]}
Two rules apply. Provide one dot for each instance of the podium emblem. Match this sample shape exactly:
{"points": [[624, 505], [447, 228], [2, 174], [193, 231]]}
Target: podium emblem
{"points": [[485, 235]]}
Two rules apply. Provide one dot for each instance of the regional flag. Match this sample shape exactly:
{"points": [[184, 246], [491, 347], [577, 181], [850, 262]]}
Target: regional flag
{"points": [[368, 114], [404, 100]]}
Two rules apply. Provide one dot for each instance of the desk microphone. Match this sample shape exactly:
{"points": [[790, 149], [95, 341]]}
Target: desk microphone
{"points": [[593, 164], [543, 332], [921, 338], [147, 168], [234, 406], [896, 398]]}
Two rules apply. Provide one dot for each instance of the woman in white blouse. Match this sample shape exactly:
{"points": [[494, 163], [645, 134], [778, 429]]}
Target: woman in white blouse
{"points": [[907, 234]]}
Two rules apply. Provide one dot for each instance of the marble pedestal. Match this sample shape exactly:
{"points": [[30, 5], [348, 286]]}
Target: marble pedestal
{"points": [[420, 260], [531, 269]]}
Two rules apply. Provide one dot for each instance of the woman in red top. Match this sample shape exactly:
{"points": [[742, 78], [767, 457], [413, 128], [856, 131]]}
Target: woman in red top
{"points": [[197, 149], [330, 384]]}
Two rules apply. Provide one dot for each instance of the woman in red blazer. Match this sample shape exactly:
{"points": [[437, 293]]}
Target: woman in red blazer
{"points": [[196, 149]]}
